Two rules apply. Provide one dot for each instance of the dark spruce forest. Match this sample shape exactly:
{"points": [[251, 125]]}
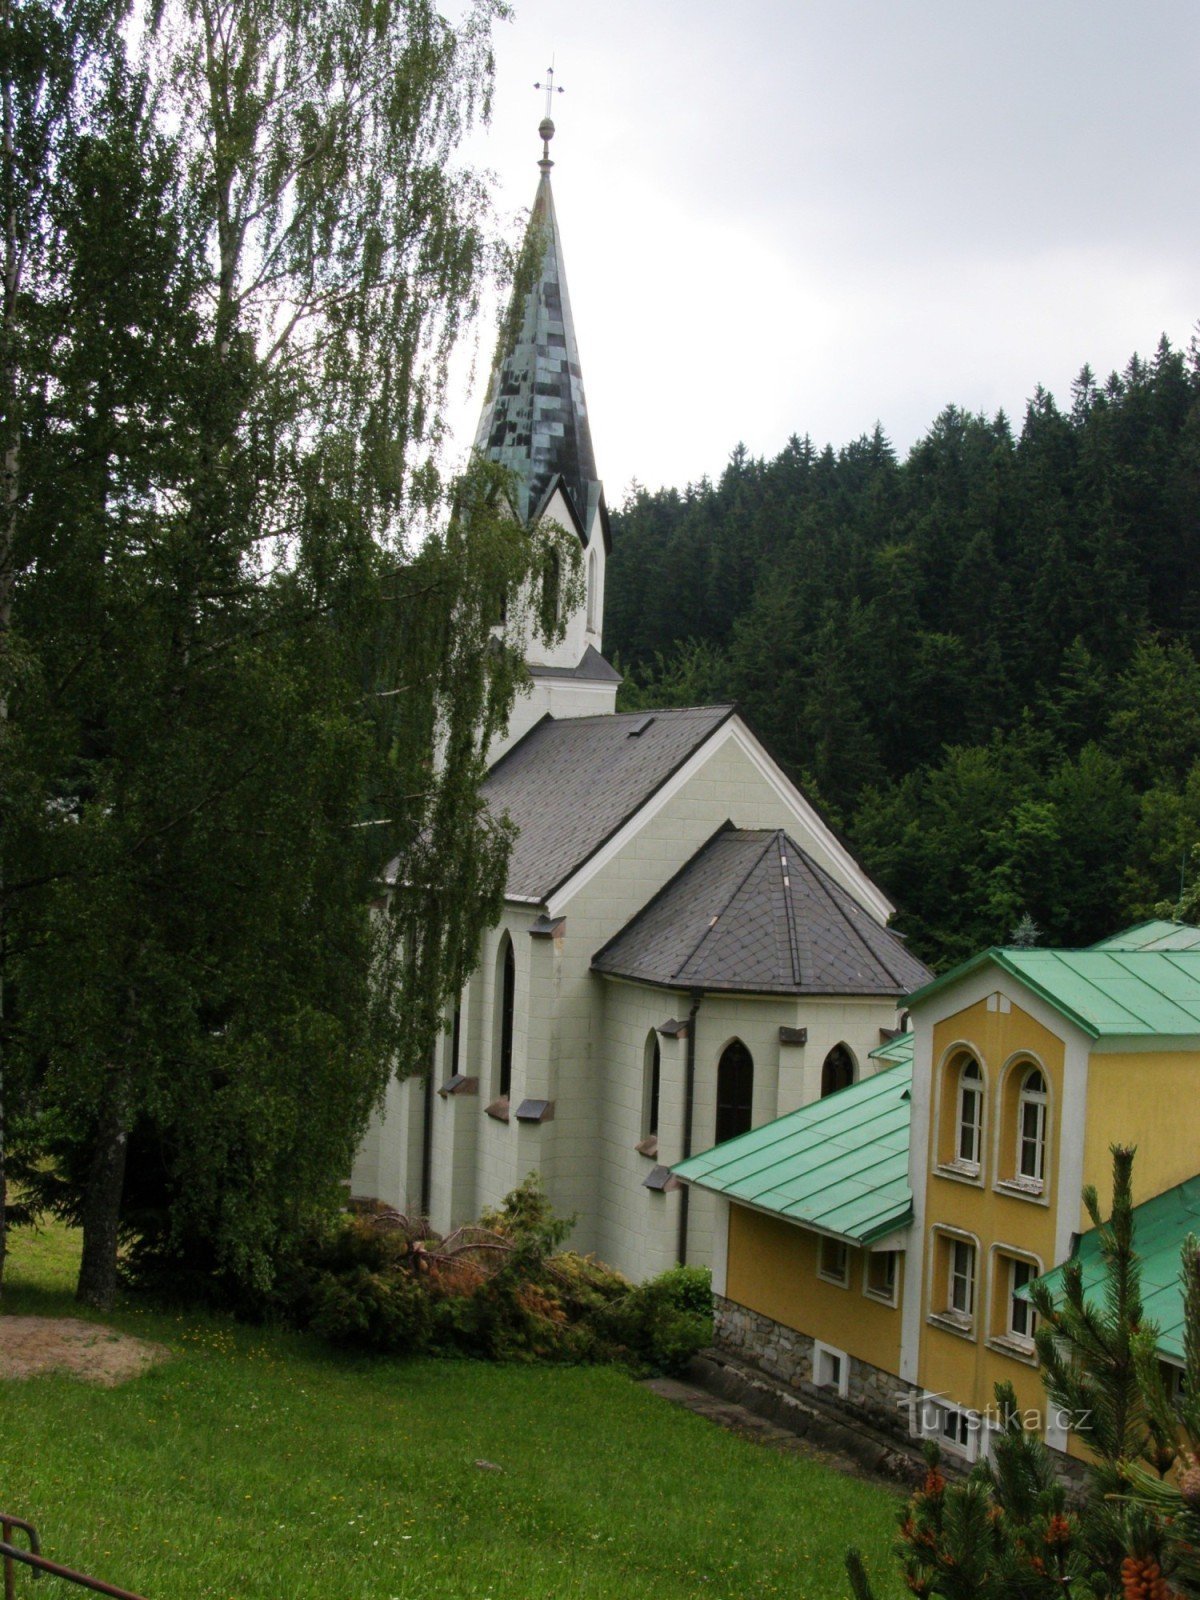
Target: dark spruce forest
{"points": [[981, 661]]}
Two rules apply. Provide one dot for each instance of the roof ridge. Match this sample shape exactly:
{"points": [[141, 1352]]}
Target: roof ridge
{"points": [[789, 910], [725, 827], [827, 884], [695, 744], [729, 899]]}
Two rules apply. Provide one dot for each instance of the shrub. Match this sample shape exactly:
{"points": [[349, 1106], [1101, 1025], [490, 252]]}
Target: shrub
{"points": [[388, 1313], [652, 1327], [501, 1291], [690, 1289]]}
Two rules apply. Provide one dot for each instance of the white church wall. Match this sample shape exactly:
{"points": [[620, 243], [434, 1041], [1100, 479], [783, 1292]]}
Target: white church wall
{"points": [[388, 1164], [578, 1040], [562, 698], [831, 1021], [729, 778], [612, 1218], [636, 1227]]}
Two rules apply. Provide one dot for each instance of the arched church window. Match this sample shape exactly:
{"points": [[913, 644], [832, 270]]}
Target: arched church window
{"points": [[838, 1070], [651, 1081], [551, 586], [593, 593], [504, 1018], [735, 1091]]}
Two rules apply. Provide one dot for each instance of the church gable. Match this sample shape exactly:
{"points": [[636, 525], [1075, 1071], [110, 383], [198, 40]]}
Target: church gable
{"points": [[569, 785], [728, 776]]}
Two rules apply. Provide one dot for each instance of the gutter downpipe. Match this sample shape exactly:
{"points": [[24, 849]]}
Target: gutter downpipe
{"points": [[689, 1091], [427, 1136]]}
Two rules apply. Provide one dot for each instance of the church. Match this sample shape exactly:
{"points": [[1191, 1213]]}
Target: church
{"points": [[687, 951]]}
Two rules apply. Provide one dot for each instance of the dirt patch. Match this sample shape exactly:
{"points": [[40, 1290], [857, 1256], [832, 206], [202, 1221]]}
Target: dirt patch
{"points": [[31, 1346]]}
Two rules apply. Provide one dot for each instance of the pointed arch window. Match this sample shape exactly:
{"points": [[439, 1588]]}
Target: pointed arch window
{"points": [[1031, 1127], [651, 1084], [970, 1113], [593, 592], [551, 588], [837, 1071], [735, 1091], [504, 1017]]}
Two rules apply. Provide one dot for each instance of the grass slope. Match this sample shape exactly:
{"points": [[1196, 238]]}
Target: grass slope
{"points": [[258, 1466]]}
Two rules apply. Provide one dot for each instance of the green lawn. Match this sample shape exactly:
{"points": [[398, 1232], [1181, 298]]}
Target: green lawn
{"points": [[258, 1465]]}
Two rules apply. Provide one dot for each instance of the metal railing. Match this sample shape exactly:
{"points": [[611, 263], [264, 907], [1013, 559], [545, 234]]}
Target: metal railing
{"points": [[33, 1557]]}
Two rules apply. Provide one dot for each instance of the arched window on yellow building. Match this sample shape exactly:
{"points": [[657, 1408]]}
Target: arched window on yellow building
{"points": [[1024, 1128], [969, 1142], [1031, 1128]]}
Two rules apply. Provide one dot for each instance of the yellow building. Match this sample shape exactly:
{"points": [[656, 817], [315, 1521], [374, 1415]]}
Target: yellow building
{"points": [[1027, 1066]]}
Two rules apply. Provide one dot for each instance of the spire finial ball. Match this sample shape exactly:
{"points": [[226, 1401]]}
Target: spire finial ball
{"points": [[546, 130]]}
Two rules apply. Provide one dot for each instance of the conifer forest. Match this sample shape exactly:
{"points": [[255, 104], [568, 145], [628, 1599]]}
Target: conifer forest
{"points": [[979, 661]]}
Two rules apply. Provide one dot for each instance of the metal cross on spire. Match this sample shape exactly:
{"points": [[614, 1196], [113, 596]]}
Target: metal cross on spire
{"points": [[547, 126]]}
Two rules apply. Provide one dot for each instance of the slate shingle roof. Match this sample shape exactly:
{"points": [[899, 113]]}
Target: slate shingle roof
{"points": [[752, 913], [535, 418], [592, 668], [569, 785]]}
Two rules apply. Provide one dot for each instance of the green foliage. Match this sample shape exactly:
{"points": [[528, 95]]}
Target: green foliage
{"points": [[982, 658], [501, 1291], [250, 673], [1088, 1352], [653, 1327], [689, 1288]]}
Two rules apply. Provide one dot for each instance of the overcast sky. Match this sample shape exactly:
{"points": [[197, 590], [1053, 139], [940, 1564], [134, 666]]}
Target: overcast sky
{"points": [[803, 218]]}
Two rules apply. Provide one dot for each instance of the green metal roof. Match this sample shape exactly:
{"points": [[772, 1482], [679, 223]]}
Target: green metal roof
{"points": [[839, 1165], [1155, 935], [1161, 1227], [1113, 993], [897, 1052]]}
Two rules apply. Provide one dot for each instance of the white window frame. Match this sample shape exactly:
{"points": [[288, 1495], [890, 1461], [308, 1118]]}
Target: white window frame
{"points": [[967, 1275], [881, 1297], [825, 1358], [1037, 1101], [963, 1435], [825, 1273], [1021, 1336], [1174, 1381], [944, 1246], [973, 1086]]}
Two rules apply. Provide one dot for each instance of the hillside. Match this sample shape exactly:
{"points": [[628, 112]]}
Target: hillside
{"points": [[981, 660]]}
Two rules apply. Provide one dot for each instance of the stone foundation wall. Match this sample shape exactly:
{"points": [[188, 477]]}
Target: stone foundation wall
{"points": [[877, 1398], [786, 1355]]}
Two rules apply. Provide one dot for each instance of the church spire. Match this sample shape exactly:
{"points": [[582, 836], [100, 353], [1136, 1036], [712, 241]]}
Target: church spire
{"points": [[535, 418]]}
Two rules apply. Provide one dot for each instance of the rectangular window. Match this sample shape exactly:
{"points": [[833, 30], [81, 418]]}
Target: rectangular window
{"points": [[1174, 1382], [1022, 1319], [955, 1428], [1032, 1154], [881, 1275], [831, 1368], [962, 1278], [969, 1126], [833, 1261]]}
